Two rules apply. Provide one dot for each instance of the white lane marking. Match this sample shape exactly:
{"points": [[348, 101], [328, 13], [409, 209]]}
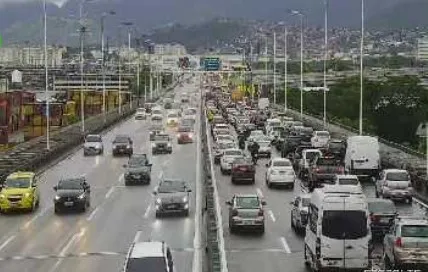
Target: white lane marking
{"points": [[217, 202], [425, 206], [259, 192], [272, 216], [285, 245], [147, 213], [35, 217], [165, 163], [76, 237], [160, 175], [121, 178], [197, 260], [108, 194], [137, 236], [8, 240], [91, 216]]}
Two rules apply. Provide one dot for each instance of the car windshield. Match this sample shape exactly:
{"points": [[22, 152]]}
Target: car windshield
{"points": [[93, 139], [278, 129], [162, 138], [226, 145], [306, 201], [147, 264], [348, 225], [306, 130], [323, 134], [17, 182], [223, 132], [71, 184], [397, 176], [281, 163], [190, 112], [159, 112], [225, 137], [382, 207], [263, 144], [233, 153], [121, 140], [348, 181], [257, 133], [184, 129], [312, 155], [419, 231], [251, 202], [172, 115], [241, 160], [335, 145], [137, 161], [172, 186]]}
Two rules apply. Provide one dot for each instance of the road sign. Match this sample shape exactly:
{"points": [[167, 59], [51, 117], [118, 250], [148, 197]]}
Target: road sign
{"points": [[211, 64]]}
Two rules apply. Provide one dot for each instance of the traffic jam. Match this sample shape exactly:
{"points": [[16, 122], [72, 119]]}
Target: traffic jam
{"points": [[341, 226]]}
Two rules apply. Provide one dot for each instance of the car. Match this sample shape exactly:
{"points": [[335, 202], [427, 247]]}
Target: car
{"points": [[93, 145], [157, 110], [172, 196], [122, 145], [299, 212], [187, 122], [382, 216], [157, 118], [280, 172], [152, 256], [141, 114], [405, 247], [155, 130], [227, 159], [265, 145], [246, 212], [20, 191], [185, 135], [190, 113], [223, 138], [394, 184], [162, 144], [243, 169], [255, 134], [138, 170], [172, 118], [320, 139], [220, 147], [72, 194], [349, 181]]}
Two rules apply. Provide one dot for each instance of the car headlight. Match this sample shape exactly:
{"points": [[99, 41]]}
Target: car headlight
{"points": [[57, 197], [128, 146], [158, 201], [114, 146], [27, 195], [169, 144], [185, 199], [2, 196], [153, 145], [82, 196]]}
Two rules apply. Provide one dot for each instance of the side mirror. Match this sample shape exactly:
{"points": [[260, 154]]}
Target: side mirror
{"points": [[292, 202], [229, 203], [264, 202], [149, 164], [189, 190], [267, 164], [55, 188]]}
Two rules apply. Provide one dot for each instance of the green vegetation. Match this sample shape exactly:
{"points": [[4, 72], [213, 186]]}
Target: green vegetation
{"points": [[392, 109]]}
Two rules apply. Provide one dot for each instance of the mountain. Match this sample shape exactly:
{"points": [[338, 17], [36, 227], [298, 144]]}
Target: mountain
{"points": [[410, 14], [19, 18]]}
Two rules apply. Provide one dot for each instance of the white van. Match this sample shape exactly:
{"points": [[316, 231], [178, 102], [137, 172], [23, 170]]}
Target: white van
{"points": [[362, 156], [338, 232]]}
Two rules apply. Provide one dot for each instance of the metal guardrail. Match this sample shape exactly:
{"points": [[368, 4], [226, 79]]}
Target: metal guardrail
{"points": [[32, 155]]}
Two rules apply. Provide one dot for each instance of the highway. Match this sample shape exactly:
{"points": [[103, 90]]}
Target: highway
{"points": [[280, 247], [99, 239]]}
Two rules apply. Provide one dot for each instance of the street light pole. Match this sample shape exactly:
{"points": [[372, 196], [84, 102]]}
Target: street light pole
{"points": [[301, 66], [274, 68], [82, 99], [266, 60], [325, 61], [285, 67], [46, 77], [361, 69], [103, 67]]}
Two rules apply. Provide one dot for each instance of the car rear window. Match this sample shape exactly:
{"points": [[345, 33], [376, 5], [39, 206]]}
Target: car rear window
{"points": [[344, 225], [420, 231], [233, 153], [247, 202], [282, 163], [397, 176], [382, 207], [348, 181], [148, 264]]}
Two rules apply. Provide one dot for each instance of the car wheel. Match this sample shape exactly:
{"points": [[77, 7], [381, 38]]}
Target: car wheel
{"points": [[222, 170], [291, 186], [231, 229], [307, 258], [83, 209], [269, 184], [186, 213], [85, 154], [232, 180], [292, 221], [410, 200], [262, 230], [127, 183], [377, 194], [157, 214], [56, 210]]}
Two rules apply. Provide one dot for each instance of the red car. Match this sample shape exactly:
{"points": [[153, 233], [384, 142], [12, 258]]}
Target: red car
{"points": [[185, 135], [244, 170]]}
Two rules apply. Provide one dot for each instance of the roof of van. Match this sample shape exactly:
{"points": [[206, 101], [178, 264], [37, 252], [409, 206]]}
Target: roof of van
{"points": [[361, 138], [335, 193]]}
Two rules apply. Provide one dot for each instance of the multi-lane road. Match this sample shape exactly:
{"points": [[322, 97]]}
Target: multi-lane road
{"points": [[99, 239], [279, 247]]}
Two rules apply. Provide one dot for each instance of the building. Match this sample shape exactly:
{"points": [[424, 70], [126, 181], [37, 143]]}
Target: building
{"points": [[423, 49], [31, 56], [170, 49]]}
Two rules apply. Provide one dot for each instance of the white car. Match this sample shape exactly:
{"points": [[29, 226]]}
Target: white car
{"points": [[157, 118], [141, 114], [265, 147], [227, 159], [255, 134], [280, 172], [320, 139], [347, 181], [190, 113], [228, 137], [220, 147]]}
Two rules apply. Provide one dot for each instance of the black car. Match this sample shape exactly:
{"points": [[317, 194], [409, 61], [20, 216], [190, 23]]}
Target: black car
{"points": [[72, 194], [382, 216], [172, 196], [122, 145], [138, 170]]}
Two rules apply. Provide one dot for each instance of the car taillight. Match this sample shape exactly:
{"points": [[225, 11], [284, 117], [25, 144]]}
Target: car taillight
{"points": [[261, 213], [374, 218], [317, 170], [398, 242], [234, 212], [341, 170], [318, 248]]}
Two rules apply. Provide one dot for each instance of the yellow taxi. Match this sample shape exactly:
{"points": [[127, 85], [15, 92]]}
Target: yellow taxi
{"points": [[20, 192]]}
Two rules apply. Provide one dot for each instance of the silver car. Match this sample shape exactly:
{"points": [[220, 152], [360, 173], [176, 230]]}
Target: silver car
{"points": [[93, 145], [246, 212], [394, 184], [172, 196], [299, 212]]}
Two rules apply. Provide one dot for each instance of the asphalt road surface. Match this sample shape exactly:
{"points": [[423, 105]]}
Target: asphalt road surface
{"points": [[280, 247], [99, 239]]}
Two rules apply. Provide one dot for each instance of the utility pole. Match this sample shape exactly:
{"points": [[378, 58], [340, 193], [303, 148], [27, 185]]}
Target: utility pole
{"points": [[48, 146], [274, 68], [285, 67]]}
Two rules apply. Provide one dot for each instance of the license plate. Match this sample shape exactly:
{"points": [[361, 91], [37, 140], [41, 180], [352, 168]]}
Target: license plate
{"points": [[14, 204], [172, 206], [136, 176], [248, 222], [282, 172], [69, 203], [384, 220]]}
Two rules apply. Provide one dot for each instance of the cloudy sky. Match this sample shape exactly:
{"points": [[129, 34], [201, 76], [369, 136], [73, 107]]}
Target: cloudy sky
{"points": [[58, 2]]}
